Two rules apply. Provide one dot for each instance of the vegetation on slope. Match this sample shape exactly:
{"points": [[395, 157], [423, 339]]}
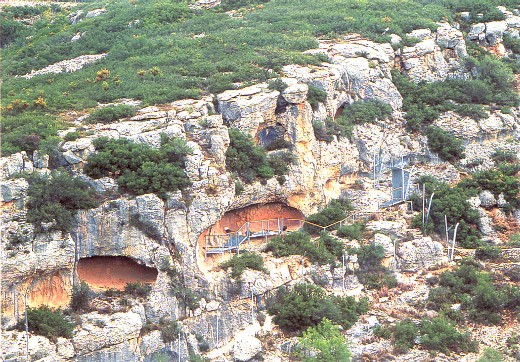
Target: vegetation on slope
{"points": [[163, 50]]}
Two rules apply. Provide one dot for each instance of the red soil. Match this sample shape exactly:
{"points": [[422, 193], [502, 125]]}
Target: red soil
{"points": [[113, 272]]}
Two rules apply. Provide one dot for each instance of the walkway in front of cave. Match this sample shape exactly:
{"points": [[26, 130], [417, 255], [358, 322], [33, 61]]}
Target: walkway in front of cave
{"points": [[232, 240]]}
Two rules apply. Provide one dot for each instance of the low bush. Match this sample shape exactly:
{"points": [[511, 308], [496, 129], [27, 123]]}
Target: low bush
{"points": [[48, 322], [280, 162], [81, 295], [353, 231], [246, 159], [277, 84], [138, 168], [405, 334], [28, 132], [444, 144], [307, 305], [360, 112], [452, 202], [371, 273], [326, 250], [245, 260], [504, 156], [55, 198], [324, 343], [439, 334], [138, 289], [514, 240], [481, 300], [488, 252], [334, 212], [491, 355], [326, 130], [111, 114], [169, 330], [316, 96]]}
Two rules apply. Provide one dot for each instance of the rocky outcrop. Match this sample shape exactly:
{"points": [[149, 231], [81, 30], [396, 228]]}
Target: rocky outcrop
{"points": [[437, 55], [491, 34], [68, 66], [420, 254]]}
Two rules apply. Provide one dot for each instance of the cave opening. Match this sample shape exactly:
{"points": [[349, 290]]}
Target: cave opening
{"points": [[340, 110], [105, 272], [249, 225]]}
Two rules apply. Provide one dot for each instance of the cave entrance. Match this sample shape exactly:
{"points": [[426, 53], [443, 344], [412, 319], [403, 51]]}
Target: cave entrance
{"points": [[340, 110], [255, 222], [107, 272]]}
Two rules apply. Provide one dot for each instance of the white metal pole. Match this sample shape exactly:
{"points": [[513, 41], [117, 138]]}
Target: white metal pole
{"points": [[429, 206], [252, 307], [26, 329], [423, 201], [218, 314], [179, 347], [447, 237], [453, 243]]}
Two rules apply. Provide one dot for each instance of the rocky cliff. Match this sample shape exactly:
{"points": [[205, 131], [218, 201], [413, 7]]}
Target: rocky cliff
{"points": [[157, 233]]}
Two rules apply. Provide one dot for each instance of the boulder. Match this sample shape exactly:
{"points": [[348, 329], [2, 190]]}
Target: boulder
{"points": [[420, 254], [246, 348], [386, 242], [295, 93], [487, 199], [13, 189], [99, 331], [495, 31]]}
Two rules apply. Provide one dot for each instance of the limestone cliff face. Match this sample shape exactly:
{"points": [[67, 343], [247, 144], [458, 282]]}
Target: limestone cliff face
{"points": [[157, 233]]}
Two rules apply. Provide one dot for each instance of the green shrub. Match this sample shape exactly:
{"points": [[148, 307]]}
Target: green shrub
{"points": [[140, 169], [278, 144], [55, 199], [490, 355], [439, 334], [334, 212], [488, 252], [28, 131], [405, 333], [324, 131], [382, 332], [325, 251], [504, 156], [513, 44], [111, 114], [277, 84], [239, 188], [80, 297], [169, 331], [325, 343], [138, 289], [246, 159], [498, 181], [353, 231], [444, 144], [371, 273], [48, 322], [482, 300], [315, 96], [514, 240], [360, 112], [306, 305], [246, 260], [453, 203], [280, 162]]}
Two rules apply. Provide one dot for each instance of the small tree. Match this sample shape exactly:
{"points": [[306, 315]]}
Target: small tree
{"points": [[80, 297], [326, 341], [48, 322]]}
